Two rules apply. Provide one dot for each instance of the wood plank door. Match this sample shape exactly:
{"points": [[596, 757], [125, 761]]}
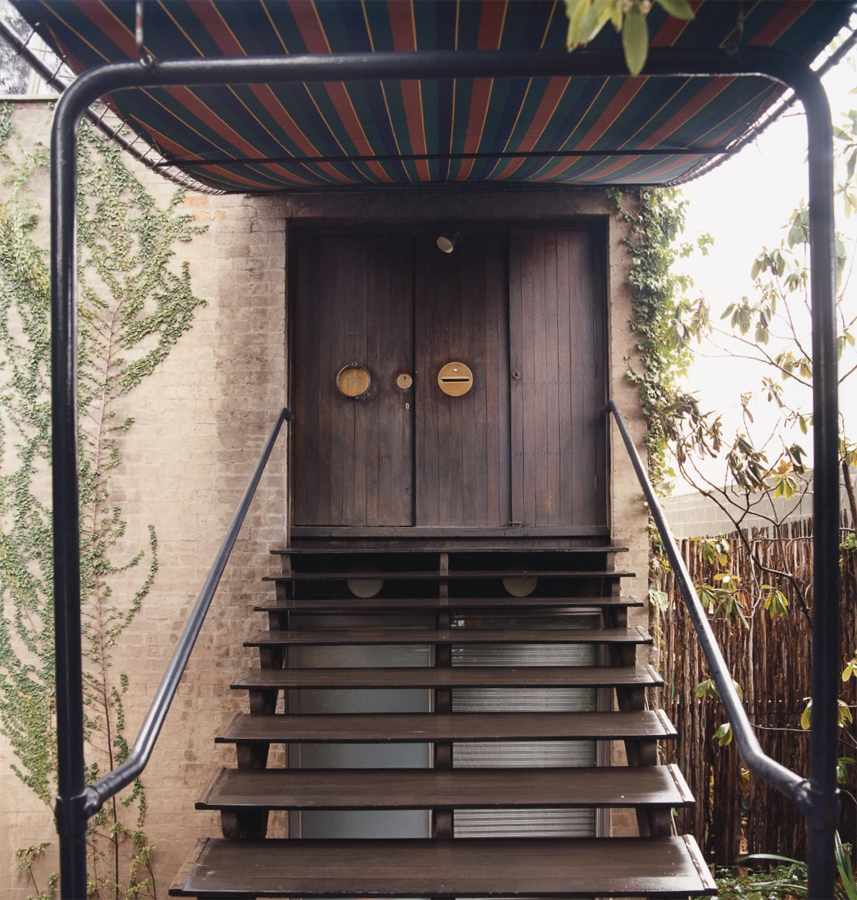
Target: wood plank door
{"points": [[353, 458], [559, 370], [462, 442], [525, 446]]}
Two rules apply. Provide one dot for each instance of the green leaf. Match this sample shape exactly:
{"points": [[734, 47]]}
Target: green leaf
{"points": [[757, 268], [575, 10], [843, 862], [786, 488], [776, 602], [594, 20], [659, 600], [723, 735], [681, 9], [806, 716], [635, 40], [706, 688]]}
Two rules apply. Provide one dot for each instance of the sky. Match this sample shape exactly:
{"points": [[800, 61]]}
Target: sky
{"points": [[744, 204]]}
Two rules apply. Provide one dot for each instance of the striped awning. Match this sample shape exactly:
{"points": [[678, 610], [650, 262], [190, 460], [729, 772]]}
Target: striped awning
{"points": [[581, 131]]}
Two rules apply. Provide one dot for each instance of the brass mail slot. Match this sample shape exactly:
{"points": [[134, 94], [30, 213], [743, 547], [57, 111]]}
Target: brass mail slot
{"points": [[455, 379]]}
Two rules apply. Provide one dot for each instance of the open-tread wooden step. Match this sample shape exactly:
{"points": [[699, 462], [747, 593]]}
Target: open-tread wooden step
{"points": [[518, 788], [476, 867], [353, 604], [494, 547], [453, 637], [382, 728], [452, 575], [425, 538], [455, 677]]}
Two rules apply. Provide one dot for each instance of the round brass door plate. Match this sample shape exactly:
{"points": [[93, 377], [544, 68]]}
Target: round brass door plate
{"points": [[520, 586], [455, 379], [365, 588], [353, 381], [404, 381]]}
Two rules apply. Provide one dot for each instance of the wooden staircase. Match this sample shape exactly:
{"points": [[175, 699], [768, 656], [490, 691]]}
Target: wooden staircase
{"points": [[452, 599]]}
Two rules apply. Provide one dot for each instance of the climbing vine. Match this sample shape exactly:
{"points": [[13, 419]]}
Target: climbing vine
{"points": [[662, 318], [132, 308]]}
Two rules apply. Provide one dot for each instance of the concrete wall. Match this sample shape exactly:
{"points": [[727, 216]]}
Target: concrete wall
{"points": [[695, 515], [200, 422]]}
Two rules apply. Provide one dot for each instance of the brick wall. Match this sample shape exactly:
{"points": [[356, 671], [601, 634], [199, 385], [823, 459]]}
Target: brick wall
{"points": [[200, 422]]}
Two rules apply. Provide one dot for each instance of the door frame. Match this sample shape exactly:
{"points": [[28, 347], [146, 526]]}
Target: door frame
{"points": [[597, 226]]}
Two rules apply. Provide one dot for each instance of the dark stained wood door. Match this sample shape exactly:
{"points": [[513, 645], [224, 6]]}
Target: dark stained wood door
{"points": [[524, 447], [559, 368], [353, 459], [462, 443]]}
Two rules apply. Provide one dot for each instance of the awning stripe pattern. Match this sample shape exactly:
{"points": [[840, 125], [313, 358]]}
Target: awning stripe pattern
{"points": [[506, 130]]}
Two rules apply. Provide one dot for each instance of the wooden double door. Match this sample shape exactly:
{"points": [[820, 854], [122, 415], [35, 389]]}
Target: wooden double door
{"points": [[524, 447]]}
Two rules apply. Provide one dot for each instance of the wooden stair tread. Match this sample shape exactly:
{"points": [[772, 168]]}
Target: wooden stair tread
{"points": [[517, 788], [488, 548], [454, 677], [352, 604], [452, 575], [453, 637], [374, 728], [476, 867]]}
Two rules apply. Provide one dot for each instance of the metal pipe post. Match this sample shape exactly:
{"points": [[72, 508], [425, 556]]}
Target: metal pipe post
{"points": [[71, 822], [826, 661]]}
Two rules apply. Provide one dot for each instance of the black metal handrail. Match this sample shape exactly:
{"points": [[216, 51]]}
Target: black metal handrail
{"points": [[113, 782], [797, 789]]}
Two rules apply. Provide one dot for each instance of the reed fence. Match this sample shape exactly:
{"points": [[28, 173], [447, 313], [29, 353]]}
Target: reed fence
{"points": [[771, 659]]}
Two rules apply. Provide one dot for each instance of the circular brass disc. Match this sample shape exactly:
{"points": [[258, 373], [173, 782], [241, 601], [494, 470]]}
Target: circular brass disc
{"points": [[353, 381], [404, 381], [364, 588], [455, 379], [520, 587]]}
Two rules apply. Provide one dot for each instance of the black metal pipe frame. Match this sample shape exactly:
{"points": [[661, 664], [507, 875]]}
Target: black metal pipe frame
{"points": [[74, 804], [51, 78]]}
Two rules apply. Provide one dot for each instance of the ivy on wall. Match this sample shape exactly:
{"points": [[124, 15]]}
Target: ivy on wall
{"points": [[662, 318], [133, 306]]}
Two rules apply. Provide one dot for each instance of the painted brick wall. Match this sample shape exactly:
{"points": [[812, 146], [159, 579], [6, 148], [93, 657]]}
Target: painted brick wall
{"points": [[200, 422]]}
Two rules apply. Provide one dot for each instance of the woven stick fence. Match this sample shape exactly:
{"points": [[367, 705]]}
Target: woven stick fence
{"points": [[771, 659]]}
